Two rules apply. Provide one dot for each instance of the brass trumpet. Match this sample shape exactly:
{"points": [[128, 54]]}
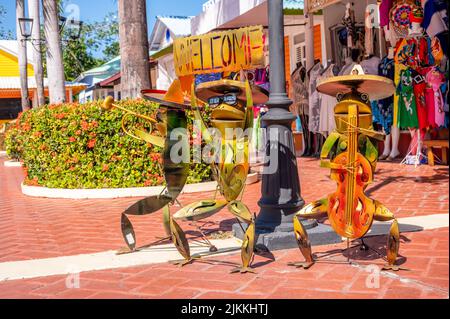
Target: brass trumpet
{"points": [[139, 134]]}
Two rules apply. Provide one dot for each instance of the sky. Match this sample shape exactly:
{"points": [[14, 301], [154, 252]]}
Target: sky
{"points": [[95, 10]]}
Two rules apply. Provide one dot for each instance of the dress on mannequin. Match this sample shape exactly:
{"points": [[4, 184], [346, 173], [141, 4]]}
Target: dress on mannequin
{"points": [[327, 104], [299, 94], [435, 80], [383, 109], [407, 109], [314, 100]]}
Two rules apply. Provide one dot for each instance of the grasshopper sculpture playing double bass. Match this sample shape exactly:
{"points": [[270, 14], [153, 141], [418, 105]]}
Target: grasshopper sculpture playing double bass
{"points": [[231, 102], [351, 156]]}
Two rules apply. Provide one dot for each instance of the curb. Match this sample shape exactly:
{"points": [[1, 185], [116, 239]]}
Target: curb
{"points": [[98, 193], [11, 163]]}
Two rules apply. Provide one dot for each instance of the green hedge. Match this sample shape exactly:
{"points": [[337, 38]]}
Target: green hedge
{"points": [[83, 146]]}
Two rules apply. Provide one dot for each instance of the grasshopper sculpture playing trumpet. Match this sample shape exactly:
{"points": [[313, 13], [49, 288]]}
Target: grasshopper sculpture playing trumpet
{"points": [[231, 102], [350, 154]]}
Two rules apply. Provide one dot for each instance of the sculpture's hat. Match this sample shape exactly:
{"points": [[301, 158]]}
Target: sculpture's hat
{"points": [[209, 89], [172, 98]]}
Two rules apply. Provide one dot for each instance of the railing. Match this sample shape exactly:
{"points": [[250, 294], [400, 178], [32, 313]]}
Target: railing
{"points": [[315, 5]]}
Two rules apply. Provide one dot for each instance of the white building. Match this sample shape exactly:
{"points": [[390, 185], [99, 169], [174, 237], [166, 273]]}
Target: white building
{"points": [[165, 30]]}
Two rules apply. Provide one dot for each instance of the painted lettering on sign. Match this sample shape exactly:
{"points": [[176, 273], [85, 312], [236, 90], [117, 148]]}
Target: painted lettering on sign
{"points": [[230, 50]]}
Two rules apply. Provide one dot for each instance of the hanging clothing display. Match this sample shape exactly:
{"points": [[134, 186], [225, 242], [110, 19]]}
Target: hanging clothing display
{"points": [[407, 111], [314, 100], [419, 87], [299, 95], [349, 22], [327, 103], [382, 110], [370, 66], [435, 79]]}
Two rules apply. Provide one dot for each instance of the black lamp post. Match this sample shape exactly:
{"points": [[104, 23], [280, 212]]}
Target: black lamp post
{"points": [[280, 186], [73, 26], [26, 27]]}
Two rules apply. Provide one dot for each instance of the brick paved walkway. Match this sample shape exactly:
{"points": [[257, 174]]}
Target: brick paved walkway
{"points": [[32, 228]]}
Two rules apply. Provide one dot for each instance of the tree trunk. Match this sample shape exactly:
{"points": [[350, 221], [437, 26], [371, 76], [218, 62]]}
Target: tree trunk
{"points": [[55, 68], [33, 10], [135, 72], [22, 52]]}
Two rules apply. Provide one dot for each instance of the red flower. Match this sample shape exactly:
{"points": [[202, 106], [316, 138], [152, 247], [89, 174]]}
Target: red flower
{"points": [[148, 182], [84, 125], [72, 139], [91, 143], [60, 116]]}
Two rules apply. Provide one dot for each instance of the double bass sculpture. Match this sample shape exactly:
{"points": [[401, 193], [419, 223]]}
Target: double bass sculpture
{"points": [[351, 156]]}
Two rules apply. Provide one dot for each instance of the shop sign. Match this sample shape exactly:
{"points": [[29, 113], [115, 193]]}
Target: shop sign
{"points": [[230, 50]]}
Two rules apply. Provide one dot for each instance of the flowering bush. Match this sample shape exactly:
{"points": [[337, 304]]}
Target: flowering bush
{"points": [[84, 146]]}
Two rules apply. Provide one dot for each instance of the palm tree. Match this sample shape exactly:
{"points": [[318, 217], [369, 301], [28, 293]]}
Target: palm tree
{"points": [[33, 10], [55, 68], [22, 53], [133, 40]]}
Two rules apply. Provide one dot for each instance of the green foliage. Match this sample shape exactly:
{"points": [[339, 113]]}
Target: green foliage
{"points": [[81, 54], [83, 146]]}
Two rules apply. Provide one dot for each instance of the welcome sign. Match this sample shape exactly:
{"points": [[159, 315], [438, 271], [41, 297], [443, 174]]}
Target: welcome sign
{"points": [[230, 50]]}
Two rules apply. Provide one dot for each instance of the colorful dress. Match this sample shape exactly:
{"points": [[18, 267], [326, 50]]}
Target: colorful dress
{"points": [[407, 110], [435, 79], [382, 110], [399, 59], [419, 87]]}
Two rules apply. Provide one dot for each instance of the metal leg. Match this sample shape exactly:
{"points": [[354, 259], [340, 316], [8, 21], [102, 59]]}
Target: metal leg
{"points": [[393, 245], [303, 244]]}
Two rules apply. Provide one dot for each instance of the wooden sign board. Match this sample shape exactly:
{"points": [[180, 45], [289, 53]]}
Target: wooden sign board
{"points": [[230, 50]]}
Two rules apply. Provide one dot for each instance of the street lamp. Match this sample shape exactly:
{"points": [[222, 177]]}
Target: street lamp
{"points": [[73, 26], [280, 190], [26, 26]]}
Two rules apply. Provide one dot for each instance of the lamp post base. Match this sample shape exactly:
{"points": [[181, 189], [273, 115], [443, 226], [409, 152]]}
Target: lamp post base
{"points": [[283, 237]]}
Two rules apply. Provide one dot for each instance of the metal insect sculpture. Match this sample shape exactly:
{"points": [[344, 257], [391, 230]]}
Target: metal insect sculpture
{"points": [[351, 156], [231, 102]]}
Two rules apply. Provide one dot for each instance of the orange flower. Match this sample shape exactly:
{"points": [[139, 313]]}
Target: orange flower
{"points": [[91, 143], [72, 139], [148, 182], [60, 116], [105, 167], [84, 125], [78, 132]]}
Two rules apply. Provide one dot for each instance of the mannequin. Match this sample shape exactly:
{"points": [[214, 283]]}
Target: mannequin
{"points": [[314, 110], [299, 95], [388, 152]]}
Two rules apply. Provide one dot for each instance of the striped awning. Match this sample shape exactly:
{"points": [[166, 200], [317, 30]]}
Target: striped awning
{"points": [[13, 82]]}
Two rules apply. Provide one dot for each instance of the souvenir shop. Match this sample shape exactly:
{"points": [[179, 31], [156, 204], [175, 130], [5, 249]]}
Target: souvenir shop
{"points": [[404, 40]]}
